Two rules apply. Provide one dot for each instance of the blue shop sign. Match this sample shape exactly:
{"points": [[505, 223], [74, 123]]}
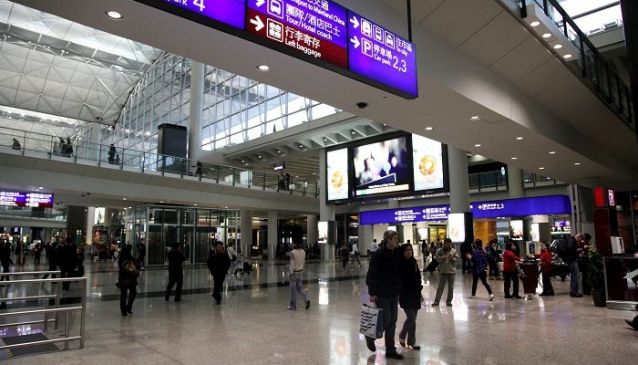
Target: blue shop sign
{"points": [[551, 204]]}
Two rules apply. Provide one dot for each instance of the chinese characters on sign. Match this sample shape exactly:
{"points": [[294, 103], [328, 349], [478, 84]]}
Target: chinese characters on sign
{"points": [[316, 28], [22, 199], [229, 12], [380, 55]]}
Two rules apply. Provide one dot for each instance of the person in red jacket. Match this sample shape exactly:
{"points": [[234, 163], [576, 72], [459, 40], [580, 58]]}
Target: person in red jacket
{"points": [[510, 272], [546, 269]]}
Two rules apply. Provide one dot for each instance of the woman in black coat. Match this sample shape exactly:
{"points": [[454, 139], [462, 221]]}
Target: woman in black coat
{"points": [[129, 271], [410, 297]]}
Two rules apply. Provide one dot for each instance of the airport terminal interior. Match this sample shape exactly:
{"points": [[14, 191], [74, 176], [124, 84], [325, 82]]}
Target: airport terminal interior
{"points": [[318, 181]]}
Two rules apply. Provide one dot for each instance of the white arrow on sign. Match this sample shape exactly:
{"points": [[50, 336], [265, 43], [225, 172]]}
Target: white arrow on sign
{"points": [[259, 3], [355, 22], [355, 41], [259, 25]]}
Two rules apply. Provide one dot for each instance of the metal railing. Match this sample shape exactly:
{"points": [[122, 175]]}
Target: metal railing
{"points": [[55, 148], [57, 310], [590, 66], [496, 181]]}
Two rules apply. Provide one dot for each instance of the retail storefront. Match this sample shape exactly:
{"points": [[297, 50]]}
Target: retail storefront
{"points": [[528, 220]]}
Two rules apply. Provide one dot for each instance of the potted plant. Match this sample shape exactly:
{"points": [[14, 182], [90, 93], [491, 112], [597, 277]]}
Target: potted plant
{"points": [[596, 278]]}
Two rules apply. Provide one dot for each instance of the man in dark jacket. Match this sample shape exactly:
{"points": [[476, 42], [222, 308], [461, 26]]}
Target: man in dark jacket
{"points": [[175, 272], [570, 256], [218, 264], [384, 286], [6, 262], [466, 252], [66, 259]]}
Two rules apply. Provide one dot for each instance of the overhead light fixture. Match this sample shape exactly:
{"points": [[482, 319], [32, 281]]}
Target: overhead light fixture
{"points": [[263, 68], [195, 204], [353, 133], [130, 207], [477, 145], [475, 118], [567, 56], [259, 156], [541, 168], [558, 46], [300, 146], [385, 125], [552, 152], [226, 207], [576, 163], [115, 15], [546, 35], [519, 138], [161, 202], [535, 23], [514, 158], [40, 187], [123, 198], [429, 128]]}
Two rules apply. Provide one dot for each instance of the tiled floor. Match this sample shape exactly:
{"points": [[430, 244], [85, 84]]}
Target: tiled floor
{"points": [[252, 326]]}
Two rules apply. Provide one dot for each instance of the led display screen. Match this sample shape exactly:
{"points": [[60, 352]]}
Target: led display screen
{"points": [[427, 164], [337, 174], [381, 167], [380, 55], [26, 199], [456, 227]]}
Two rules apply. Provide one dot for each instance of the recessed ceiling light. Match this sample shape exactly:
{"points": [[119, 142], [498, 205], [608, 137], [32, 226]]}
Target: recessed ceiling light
{"points": [[541, 168], [115, 15], [300, 146], [353, 133], [429, 128], [161, 202], [576, 163], [226, 207], [519, 138], [123, 198], [475, 117], [546, 35], [195, 204], [535, 23], [259, 156], [567, 56], [552, 152], [129, 207], [477, 145], [263, 68], [40, 188], [385, 125], [514, 158], [558, 46]]}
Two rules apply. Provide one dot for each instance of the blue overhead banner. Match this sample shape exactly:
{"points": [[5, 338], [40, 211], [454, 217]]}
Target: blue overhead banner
{"points": [[522, 207]]}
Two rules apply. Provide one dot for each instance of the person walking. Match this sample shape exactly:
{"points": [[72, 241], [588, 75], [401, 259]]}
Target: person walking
{"points": [[65, 253], [129, 271], [446, 256], [355, 255], [510, 271], [479, 268], [410, 297], [218, 265], [466, 256], [6, 262], [384, 286], [175, 272], [568, 251], [37, 253], [297, 262], [141, 255], [111, 154], [493, 257], [425, 251], [344, 254], [374, 246], [546, 270], [51, 250]]}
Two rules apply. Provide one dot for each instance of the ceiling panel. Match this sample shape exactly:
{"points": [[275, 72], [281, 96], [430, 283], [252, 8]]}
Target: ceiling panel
{"points": [[522, 60]]}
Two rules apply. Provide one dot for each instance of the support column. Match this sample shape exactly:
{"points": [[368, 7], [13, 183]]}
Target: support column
{"points": [[515, 182], [366, 235], [459, 183], [326, 211], [95, 139], [273, 218], [195, 117], [246, 229], [90, 219], [393, 204], [630, 25], [312, 234]]}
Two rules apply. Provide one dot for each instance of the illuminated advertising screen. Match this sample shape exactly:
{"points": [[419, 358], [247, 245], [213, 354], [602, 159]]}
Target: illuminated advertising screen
{"points": [[381, 167], [337, 174], [380, 55], [456, 227], [322, 230], [427, 164]]}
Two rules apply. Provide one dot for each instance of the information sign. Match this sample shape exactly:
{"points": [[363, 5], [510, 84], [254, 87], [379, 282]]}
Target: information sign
{"points": [[316, 28], [26, 199], [381, 55], [230, 12]]}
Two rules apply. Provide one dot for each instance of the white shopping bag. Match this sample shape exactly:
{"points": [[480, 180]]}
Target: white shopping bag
{"points": [[371, 322]]}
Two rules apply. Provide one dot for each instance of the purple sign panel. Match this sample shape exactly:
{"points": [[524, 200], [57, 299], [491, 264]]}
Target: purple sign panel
{"points": [[24, 199], [381, 55], [551, 204], [316, 28], [230, 12]]}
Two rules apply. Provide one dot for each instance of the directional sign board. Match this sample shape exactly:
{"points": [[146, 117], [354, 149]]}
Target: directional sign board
{"points": [[313, 27], [319, 31], [380, 55], [26, 199]]}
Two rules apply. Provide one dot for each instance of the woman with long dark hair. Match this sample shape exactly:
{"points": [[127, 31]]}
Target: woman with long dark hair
{"points": [[410, 296], [129, 271]]}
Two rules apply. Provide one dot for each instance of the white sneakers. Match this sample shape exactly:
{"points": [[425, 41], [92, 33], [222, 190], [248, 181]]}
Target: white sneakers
{"points": [[491, 297]]}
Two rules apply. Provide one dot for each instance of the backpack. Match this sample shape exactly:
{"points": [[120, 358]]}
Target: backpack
{"points": [[131, 269]]}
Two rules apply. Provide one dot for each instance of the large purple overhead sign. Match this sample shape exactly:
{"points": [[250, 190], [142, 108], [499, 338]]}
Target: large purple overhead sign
{"points": [[380, 55], [230, 12]]}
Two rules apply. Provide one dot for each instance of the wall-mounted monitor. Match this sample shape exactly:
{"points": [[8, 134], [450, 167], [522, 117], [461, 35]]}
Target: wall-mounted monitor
{"points": [[429, 164], [337, 174], [381, 167]]}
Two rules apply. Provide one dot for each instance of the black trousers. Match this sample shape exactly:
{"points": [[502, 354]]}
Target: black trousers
{"points": [[467, 265], [127, 297], [218, 282], [4, 293], [390, 306], [482, 275], [510, 277], [547, 283], [175, 278]]}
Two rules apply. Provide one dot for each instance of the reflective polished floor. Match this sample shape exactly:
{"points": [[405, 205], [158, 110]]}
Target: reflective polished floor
{"points": [[252, 326]]}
